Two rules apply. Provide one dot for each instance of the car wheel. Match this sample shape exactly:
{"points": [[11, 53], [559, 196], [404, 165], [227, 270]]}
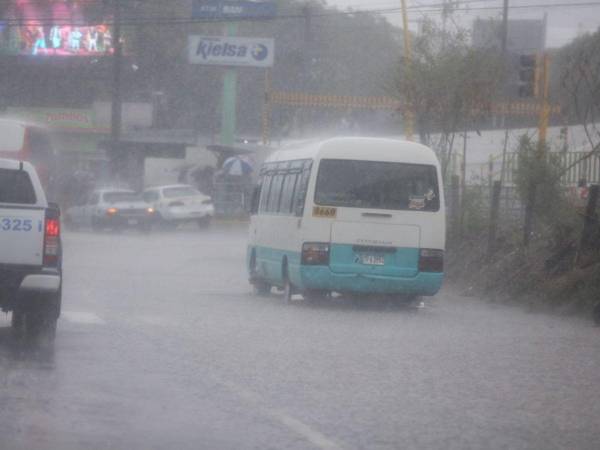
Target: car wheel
{"points": [[145, 227], [17, 320], [596, 314], [96, 224], [204, 222]]}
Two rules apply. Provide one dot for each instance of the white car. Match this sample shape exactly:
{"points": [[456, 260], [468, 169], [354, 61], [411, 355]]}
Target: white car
{"points": [[180, 203], [112, 208]]}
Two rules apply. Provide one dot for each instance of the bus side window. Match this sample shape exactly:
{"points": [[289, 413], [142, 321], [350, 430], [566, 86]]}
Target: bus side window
{"points": [[273, 205], [256, 198], [301, 189], [287, 196], [264, 194]]}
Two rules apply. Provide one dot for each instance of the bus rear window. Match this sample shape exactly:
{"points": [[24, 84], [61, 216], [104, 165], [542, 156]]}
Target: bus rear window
{"points": [[16, 187], [377, 185]]}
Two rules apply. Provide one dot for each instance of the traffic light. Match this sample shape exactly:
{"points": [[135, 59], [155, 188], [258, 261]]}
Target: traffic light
{"points": [[528, 76]]}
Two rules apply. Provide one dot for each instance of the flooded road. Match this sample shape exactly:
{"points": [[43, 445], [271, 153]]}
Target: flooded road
{"points": [[163, 345]]}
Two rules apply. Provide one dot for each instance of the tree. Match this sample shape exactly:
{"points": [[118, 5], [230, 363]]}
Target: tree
{"points": [[579, 65], [449, 85]]}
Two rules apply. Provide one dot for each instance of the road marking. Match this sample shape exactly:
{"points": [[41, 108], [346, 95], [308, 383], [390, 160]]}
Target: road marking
{"points": [[85, 318], [315, 437]]}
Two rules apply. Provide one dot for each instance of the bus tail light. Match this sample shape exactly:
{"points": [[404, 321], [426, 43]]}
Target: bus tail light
{"points": [[51, 241], [315, 254], [431, 260]]}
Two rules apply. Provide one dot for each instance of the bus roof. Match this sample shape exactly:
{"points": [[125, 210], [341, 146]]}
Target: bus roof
{"points": [[359, 148]]}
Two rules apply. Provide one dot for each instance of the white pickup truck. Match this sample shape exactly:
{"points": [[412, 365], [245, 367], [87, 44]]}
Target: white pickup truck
{"points": [[30, 251]]}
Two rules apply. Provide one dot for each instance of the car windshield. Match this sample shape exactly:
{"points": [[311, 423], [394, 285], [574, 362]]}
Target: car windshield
{"points": [[377, 185], [114, 197], [180, 191]]}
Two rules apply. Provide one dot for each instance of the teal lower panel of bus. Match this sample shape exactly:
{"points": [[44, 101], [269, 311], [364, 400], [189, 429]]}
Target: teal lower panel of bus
{"points": [[400, 274], [322, 278]]}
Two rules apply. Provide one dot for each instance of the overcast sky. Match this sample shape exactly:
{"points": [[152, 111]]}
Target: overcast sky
{"points": [[564, 22]]}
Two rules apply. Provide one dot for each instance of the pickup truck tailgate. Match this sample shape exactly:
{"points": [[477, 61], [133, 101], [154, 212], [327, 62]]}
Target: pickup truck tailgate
{"points": [[21, 236]]}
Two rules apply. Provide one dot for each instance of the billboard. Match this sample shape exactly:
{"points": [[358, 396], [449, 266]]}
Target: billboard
{"points": [[54, 28], [231, 51], [233, 9]]}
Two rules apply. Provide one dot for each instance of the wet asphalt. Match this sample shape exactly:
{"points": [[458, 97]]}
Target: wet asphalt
{"points": [[162, 345]]}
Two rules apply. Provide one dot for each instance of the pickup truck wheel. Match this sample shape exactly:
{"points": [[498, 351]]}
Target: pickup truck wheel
{"points": [[17, 321], [40, 324], [40, 318]]}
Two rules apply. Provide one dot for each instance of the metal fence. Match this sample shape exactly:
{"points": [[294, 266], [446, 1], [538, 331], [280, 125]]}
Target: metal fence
{"points": [[231, 199], [577, 168]]}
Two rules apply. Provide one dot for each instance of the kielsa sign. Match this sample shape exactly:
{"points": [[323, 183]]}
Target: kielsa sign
{"points": [[226, 9], [231, 51]]}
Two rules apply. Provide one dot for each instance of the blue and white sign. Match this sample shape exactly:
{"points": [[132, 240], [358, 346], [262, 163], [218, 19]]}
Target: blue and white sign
{"points": [[231, 51], [226, 9]]}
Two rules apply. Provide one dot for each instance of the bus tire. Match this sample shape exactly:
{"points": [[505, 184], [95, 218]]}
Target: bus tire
{"points": [[288, 289], [259, 285], [316, 296], [261, 288]]}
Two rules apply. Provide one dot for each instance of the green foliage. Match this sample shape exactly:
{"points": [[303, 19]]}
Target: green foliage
{"points": [[540, 168], [476, 211]]}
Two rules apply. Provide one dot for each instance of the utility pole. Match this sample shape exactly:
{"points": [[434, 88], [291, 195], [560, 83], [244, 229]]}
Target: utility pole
{"points": [[408, 112], [543, 88], [117, 100], [267, 107], [229, 101], [504, 27]]}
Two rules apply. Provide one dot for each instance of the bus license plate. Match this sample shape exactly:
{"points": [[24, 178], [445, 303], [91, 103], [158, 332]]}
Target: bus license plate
{"points": [[373, 260], [132, 222]]}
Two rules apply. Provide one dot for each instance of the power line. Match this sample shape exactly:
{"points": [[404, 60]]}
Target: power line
{"points": [[432, 8]]}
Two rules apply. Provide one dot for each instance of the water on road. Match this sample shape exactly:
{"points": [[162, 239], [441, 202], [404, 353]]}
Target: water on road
{"points": [[163, 345]]}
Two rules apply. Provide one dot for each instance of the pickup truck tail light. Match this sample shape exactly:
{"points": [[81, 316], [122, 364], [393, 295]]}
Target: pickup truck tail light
{"points": [[315, 254], [431, 260], [51, 241]]}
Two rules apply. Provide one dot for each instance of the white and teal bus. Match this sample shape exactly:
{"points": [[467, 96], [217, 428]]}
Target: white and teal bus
{"points": [[349, 215]]}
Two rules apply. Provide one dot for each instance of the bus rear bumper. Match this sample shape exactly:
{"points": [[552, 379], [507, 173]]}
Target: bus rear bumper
{"points": [[322, 278]]}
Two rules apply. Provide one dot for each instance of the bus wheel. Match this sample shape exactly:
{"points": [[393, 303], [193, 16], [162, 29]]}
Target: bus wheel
{"points": [[261, 287], [288, 290], [314, 296]]}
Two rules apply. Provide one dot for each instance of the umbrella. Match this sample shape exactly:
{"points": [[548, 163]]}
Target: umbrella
{"points": [[237, 166]]}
